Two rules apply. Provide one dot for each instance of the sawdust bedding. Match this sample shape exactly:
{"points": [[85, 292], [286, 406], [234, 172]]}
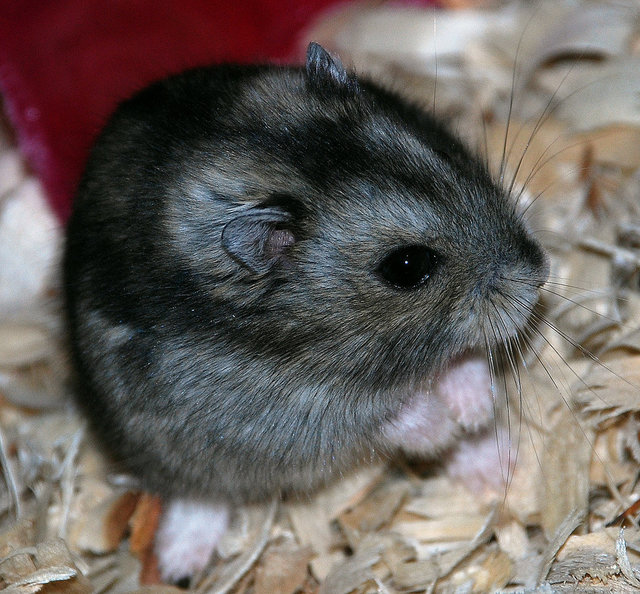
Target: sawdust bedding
{"points": [[568, 518]]}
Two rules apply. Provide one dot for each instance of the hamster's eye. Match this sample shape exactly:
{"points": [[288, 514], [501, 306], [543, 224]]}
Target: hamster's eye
{"points": [[408, 266]]}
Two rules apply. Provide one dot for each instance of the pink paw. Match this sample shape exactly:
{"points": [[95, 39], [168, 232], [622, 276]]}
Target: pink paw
{"points": [[460, 401], [465, 387], [423, 426], [483, 462], [187, 537]]}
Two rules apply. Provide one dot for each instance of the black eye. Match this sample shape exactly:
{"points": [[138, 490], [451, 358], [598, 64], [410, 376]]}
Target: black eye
{"points": [[408, 266]]}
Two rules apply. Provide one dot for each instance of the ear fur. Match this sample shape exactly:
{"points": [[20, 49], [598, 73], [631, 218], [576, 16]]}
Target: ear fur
{"points": [[326, 71], [258, 238]]}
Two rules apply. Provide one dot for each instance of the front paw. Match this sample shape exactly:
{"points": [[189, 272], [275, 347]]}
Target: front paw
{"points": [[465, 387], [422, 427], [483, 462]]}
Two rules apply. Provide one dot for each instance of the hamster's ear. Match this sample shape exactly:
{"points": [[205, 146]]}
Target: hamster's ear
{"points": [[326, 71], [259, 237]]}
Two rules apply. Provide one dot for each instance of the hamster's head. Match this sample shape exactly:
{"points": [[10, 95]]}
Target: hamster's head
{"points": [[361, 242]]}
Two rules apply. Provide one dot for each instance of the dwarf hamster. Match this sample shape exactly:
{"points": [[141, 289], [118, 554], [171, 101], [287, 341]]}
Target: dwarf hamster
{"points": [[267, 270]]}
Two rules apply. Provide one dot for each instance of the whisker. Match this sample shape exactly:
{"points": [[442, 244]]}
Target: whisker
{"points": [[595, 291], [435, 60], [584, 351], [504, 473], [515, 371], [551, 106], [565, 394], [569, 303], [540, 163], [514, 78], [524, 404]]}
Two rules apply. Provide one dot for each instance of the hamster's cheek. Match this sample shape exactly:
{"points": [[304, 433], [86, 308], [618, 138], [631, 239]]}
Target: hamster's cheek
{"points": [[188, 534], [465, 388]]}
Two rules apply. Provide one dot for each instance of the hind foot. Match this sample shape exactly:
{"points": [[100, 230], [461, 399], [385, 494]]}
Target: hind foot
{"points": [[187, 537]]}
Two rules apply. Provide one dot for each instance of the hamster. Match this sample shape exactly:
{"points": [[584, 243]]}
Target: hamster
{"points": [[274, 274]]}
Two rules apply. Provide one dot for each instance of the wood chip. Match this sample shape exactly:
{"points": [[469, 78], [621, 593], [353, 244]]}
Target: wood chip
{"points": [[101, 528], [560, 81], [567, 459], [345, 577], [377, 509], [282, 569], [447, 529]]}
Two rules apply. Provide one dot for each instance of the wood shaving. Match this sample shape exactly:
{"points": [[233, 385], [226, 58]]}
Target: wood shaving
{"points": [[548, 92]]}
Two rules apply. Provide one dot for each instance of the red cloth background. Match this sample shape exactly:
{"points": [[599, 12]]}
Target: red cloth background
{"points": [[64, 64]]}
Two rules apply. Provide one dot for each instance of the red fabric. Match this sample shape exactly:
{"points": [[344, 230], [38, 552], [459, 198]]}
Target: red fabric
{"points": [[64, 64]]}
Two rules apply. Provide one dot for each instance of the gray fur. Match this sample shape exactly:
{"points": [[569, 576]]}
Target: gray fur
{"points": [[231, 337]]}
